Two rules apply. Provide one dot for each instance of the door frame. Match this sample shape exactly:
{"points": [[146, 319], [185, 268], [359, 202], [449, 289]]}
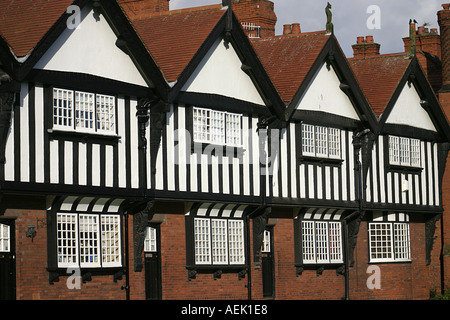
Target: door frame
{"points": [[10, 258], [154, 256], [268, 257]]}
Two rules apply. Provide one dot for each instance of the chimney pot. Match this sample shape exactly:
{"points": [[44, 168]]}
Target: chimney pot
{"points": [[360, 40], [446, 6], [434, 30], [287, 29], [420, 30], [369, 39], [296, 28]]}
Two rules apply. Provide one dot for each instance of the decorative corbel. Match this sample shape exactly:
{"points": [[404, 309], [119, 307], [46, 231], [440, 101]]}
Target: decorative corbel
{"points": [[140, 221], [259, 225], [6, 107], [363, 142], [430, 228]]}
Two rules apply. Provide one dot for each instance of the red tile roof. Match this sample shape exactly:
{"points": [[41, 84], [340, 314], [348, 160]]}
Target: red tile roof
{"points": [[379, 77], [23, 23], [288, 59], [174, 37]]}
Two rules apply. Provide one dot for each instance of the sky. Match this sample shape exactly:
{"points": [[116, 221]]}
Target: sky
{"points": [[386, 20]]}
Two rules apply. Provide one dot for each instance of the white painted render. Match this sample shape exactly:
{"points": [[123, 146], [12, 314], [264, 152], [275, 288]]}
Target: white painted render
{"points": [[220, 73], [408, 111], [91, 49], [323, 94]]}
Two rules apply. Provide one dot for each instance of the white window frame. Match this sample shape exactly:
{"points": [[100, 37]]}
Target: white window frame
{"points": [[322, 242], [321, 142], [389, 242], [217, 127], [150, 242], [86, 240], [266, 243], [404, 151], [219, 241], [5, 238], [84, 112]]}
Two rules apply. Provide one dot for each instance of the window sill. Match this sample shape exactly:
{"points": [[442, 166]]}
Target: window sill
{"points": [[317, 160], [400, 168], [319, 268], [216, 270], [85, 273], [82, 136]]}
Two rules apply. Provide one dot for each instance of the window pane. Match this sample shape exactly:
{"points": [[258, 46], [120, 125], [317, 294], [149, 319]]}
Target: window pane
{"points": [[67, 239], [219, 241], [201, 125], [308, 242], [335, 238], [308, 140], [236, 241], [111, 247], [105, 113], [233, 129], [217, 127], [202, 241], [322, 241], [89, 241], [380, 237], [334, 143], [404, 152], [415, 152], [5, 238], [394, 157], [84, 111], [266, 242], [321, 141], [150, 244], [62, 108], [401, 240]]}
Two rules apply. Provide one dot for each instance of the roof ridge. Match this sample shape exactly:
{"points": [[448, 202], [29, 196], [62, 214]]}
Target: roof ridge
{"points": [[291, 35], [176, 12], [379, 56]]}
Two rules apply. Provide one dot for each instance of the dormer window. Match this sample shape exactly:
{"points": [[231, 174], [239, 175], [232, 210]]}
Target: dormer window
{"points": [[321, 142], [217, 127], [404, 151], [86, 112]]}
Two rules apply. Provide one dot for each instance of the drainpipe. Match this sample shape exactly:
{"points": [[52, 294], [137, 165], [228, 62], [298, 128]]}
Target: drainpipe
{"points": [[346, 220], [127, 260]]}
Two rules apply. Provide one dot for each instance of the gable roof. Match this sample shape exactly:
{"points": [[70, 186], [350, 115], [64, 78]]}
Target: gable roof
{"points": [[174, 37], [28, 28], [289, 58], [382, 88], [293, 60], [23, 23], [379, 86]]}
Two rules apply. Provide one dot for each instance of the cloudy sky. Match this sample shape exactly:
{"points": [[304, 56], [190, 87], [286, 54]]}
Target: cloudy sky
{"points": [[386, 20]]}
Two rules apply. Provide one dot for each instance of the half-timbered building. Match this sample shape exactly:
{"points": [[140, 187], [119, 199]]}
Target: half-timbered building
{"points": [[149, 153]]}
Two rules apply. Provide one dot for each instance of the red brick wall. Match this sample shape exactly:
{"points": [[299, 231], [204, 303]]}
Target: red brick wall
{"points": [[412, 280], [32, 278]]}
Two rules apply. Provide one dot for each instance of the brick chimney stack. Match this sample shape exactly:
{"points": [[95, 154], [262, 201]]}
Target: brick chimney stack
{"points": [[444, 24], [257, 13], [365, 48], [141, 8]]}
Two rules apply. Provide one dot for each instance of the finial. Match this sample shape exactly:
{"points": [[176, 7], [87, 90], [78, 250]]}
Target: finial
{"points": [[329, 25]]}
